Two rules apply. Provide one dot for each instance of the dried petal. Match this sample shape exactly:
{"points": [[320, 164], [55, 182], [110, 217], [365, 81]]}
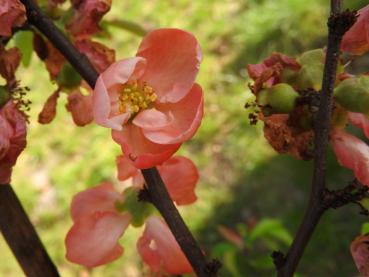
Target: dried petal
{"points": [[12, 14], [49, 110]]}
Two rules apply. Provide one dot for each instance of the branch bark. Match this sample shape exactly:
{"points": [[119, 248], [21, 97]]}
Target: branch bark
{"points": [[155, 185], [338, 24], [21, 236]]}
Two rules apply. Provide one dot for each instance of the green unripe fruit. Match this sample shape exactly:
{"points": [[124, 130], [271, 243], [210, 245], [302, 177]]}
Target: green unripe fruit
{"points": [[68, 77], [280, 98], [312, 67], [4, 96], [138, 210], [353, 94], [312, 57]]}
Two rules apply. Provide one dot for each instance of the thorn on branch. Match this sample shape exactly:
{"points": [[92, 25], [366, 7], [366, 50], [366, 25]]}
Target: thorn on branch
{"points": [[341, 22], [144, 195], [279, 259]]}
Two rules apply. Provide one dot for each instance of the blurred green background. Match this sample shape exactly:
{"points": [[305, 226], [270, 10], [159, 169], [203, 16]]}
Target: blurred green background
{"points": [[242, 179]]}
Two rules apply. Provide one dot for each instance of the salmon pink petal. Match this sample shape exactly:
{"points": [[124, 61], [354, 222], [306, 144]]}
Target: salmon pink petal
{"points": [[142, 152], [352, 153], [159, 249], [360, 121], [173, 59], [97, 199], [125, 166], [180, 176], [185, 117], [356, 40], [360, 254], [152, 119], [105, 95], [93, 240]]}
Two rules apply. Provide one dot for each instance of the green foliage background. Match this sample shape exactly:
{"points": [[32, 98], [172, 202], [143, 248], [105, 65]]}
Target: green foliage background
{"points": [[241, 176]]}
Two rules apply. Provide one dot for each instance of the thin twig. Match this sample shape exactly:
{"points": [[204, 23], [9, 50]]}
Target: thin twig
{"points": [[155, 185], [338, 24], [21, 236]]}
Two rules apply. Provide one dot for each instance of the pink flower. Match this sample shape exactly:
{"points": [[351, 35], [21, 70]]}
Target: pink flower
{"points": [[352, 153], [179, 174], [12, 139], [360, 254], [151, 101], [87, 15], [12, 14], [94, 214], [159, 249], [356, 39]]}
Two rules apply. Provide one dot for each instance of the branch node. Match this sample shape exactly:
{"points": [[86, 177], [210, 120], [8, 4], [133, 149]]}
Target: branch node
{"points": [[144, 195], [212, 267], [339, 23], [279, 259]]}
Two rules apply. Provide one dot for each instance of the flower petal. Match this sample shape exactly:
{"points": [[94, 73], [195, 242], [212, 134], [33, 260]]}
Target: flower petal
{"points": [[159, 249], [360, 254], [180, 176], [152, 119], [173, 58], [185, 117], [125, 168], [105, 96], [12, 14], [352, 153], [97, 199], [141, 151], [93, 240], [80, 106], [360, 121]]}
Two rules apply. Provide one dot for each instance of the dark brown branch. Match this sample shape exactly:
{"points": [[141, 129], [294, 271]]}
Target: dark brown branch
{"points": [[155, 185], [338, 24], [22, 238]]}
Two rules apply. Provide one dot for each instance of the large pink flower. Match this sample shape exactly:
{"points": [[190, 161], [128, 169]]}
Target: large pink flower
{"points": [[352, 153], [94, 214], [179, 174], [12, 14], [159, 249], [356, 39], [12, 139], [151, 101]]}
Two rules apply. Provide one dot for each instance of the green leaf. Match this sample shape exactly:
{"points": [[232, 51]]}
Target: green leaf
{"points": [[365, 228], [264, 262], [23, 40], [220, 249], [270, 228]]}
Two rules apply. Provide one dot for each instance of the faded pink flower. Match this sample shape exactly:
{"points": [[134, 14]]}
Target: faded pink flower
{"points": [[151, 101], [356, 40], [93, 238], [12, 139], [80, 107], [159, 249], [352, 153], [87, 16], [179, 174], [99, 55], [12, 14], [360, 254]]}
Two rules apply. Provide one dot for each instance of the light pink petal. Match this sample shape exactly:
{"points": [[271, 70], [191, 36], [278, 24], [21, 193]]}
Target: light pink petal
{"points": [[159, 249], [93, 240], [105, 94], [360, 121], [173, 59], [180, 176], [152, 119], [125, 168], [185, 117], [97, 199], [142, 152], [352, 153], [360, 254]]}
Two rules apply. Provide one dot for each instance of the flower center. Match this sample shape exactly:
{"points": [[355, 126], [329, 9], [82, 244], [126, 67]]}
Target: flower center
{"points": [[136, 96]]}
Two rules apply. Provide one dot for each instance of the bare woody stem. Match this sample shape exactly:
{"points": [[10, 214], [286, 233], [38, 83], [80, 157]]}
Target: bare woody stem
{"points": [[158, 194], [338, 24]]}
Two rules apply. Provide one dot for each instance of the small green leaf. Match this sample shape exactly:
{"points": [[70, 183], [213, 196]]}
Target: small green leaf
{"points": [[270, 228], [23, 40], [365, 228]]}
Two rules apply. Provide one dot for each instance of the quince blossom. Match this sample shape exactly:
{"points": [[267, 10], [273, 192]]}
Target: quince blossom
{"points": [[151, 101], [12, 139], [98, 225], [179, 174]]}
